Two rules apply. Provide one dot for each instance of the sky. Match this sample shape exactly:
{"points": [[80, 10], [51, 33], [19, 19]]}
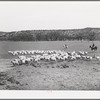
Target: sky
{"points": [[32, 15]]}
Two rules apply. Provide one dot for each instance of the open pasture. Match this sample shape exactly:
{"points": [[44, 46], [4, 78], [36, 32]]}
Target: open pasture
{"points": [[50, 75], [6, 46]]}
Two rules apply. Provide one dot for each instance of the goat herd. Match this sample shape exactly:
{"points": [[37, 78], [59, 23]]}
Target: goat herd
{"points": [[32, 56]]}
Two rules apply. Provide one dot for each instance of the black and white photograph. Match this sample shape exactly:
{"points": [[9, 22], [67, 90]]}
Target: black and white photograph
{"points": [[48, 45]]}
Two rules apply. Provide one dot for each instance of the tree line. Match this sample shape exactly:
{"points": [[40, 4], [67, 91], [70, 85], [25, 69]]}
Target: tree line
{"points": [[59, 35]]}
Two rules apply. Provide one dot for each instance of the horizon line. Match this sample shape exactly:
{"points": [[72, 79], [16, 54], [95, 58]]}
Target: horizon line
{"points": [[48, 29]]}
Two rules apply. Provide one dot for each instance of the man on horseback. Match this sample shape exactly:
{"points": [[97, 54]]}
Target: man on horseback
{"points": [[65, 46], [93, 47]]}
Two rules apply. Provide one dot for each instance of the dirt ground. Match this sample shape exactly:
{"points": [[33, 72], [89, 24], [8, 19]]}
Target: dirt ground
{"points": [[66, 75]]}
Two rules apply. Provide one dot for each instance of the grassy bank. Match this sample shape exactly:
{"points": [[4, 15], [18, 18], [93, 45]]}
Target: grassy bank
{"points": [[77, 75]]}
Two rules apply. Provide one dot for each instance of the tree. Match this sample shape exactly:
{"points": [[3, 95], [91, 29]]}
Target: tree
{"points": [[92, 36]]}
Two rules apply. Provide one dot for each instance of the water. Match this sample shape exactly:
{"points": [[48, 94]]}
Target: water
{"points": [[6, 46]]}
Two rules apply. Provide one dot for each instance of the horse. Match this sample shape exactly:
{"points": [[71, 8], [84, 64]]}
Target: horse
{"points": [[65, 46], [93, 47]]}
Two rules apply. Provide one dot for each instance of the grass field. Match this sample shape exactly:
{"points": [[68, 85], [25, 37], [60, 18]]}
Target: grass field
{"points": [[78, 74]]}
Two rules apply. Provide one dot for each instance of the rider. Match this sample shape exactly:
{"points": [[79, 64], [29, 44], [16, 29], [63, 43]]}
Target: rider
{"points": [[93, 45], [65, 46]]}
